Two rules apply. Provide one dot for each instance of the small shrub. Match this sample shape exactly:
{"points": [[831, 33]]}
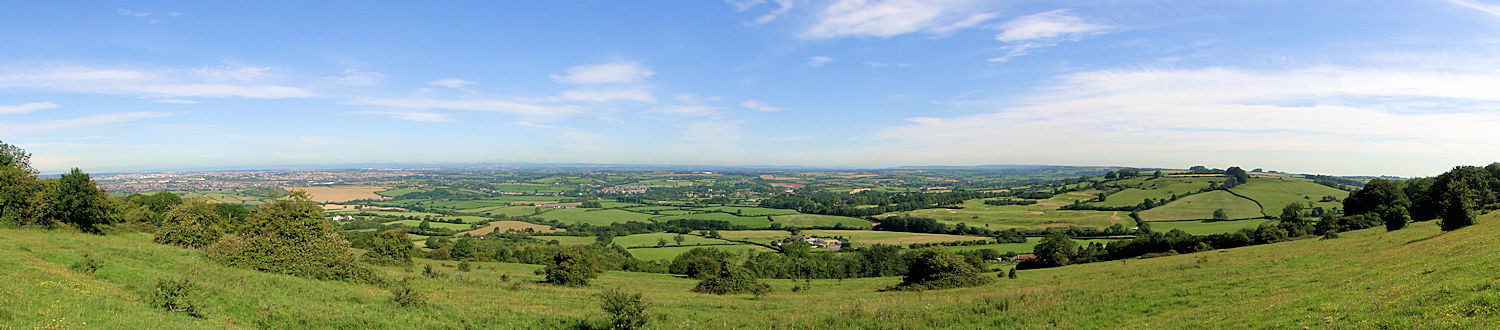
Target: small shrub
{"points": [[570, 268], [290, 236], [505, 277], [731, 278], [402, 294], [463, 266], [1012, 274], [176, 296], [626, 310], [88, 265], [939, 268]]}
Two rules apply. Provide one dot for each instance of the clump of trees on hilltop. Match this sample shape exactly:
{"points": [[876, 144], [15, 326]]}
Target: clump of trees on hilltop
{"points": [[72, 200]]}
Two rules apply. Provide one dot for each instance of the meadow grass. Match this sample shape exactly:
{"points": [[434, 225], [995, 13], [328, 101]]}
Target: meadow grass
{"points": [[1202, 206], [975, 213], [819, 220], [750, 222], [602, 217], [1208, 227], [1415, 277], [1141, 188], [671, 252], [1275, 194]]}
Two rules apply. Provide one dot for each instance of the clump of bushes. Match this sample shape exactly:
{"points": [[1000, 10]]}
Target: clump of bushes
{"points": [[730, 278], [88, 265], [192, 224], [176, 296], [402, 294], [290, 236], [570, 267], [391, 247], [938, 268], [626, 310]]}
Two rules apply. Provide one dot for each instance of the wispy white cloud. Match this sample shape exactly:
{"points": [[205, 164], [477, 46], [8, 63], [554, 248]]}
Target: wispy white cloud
{"points": [[26, 108], [174, 101], [213, 82], [817, 61], [356, 77], [1046, 29], [694, 98], [688, 110], [609, 73], [608, 95], [417, 116], [132, 13], [1304, 117], [759, 105], [475, 104], [77, 123], [453, 83], [782, 7], [889, 18], [1488, 8]]}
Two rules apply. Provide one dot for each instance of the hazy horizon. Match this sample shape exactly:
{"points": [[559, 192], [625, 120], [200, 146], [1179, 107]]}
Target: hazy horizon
{"points": [[1404, 88]]}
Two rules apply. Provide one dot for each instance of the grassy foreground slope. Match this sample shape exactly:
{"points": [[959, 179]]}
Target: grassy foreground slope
{"points": [[1418, 276]]}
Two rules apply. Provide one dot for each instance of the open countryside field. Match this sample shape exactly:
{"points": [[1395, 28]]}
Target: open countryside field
{"points": [[1274, 194], [976, 213], [747, 211], [511, 211], [1285, 285], [1208, 227], [650, 240], [1142, 188], [415, 223], [1202, 206], [410, 215], [890, 237], [668, 253], [750, 222], [599, 217], [819, 220], [1028, 247], [503, 226], [336, 194]]}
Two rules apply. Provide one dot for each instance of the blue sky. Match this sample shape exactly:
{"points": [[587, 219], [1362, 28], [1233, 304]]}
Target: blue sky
{"points": [[1339, 87]]}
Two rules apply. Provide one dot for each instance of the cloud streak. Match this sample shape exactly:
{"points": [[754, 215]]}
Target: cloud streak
{"points": [[1026, 33], [206, 82], [26, 108], [609, 73], [890, 18]]}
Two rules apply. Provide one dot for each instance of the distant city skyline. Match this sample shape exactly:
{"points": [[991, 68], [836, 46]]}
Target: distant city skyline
{"points": [[1406, 88]]}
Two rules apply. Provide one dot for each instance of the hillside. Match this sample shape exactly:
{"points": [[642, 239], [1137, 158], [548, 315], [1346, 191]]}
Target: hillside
{"points": [[1368, 278]]}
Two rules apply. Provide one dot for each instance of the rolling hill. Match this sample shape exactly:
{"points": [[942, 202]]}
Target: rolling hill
{"points": [[1416, 277]]}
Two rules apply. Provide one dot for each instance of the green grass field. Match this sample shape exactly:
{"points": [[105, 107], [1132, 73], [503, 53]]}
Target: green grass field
{"points": [[415, 223], [818, 220], [976, 213], [890, 237], [747, 211], [668, 253], [1413, 278], [1020, 248], [532, 187], [1208, 227], [1274, 194], [503, 210], [750, 222], [393, 193], [1158, 188], [650, 240], [593, 216], [1202, 206]]}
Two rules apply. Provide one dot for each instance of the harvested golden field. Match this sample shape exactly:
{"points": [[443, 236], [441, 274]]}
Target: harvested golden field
{"points": [[504, 226], [334, 194]]}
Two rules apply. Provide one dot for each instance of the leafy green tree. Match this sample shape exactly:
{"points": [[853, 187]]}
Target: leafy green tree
{"points": [[463, 249], [626, 310], [1291, 219], [1220, 215], [1395, 217], [1013, 270], [1376, 193], [1055, 250], [939, 268], [679, 239], [1458, 207], [79, 202], [291, 236], [730, 278], [192, 224], [1239, 175], [571, 267], [699, 262], [391, 247], [604, 238]]}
